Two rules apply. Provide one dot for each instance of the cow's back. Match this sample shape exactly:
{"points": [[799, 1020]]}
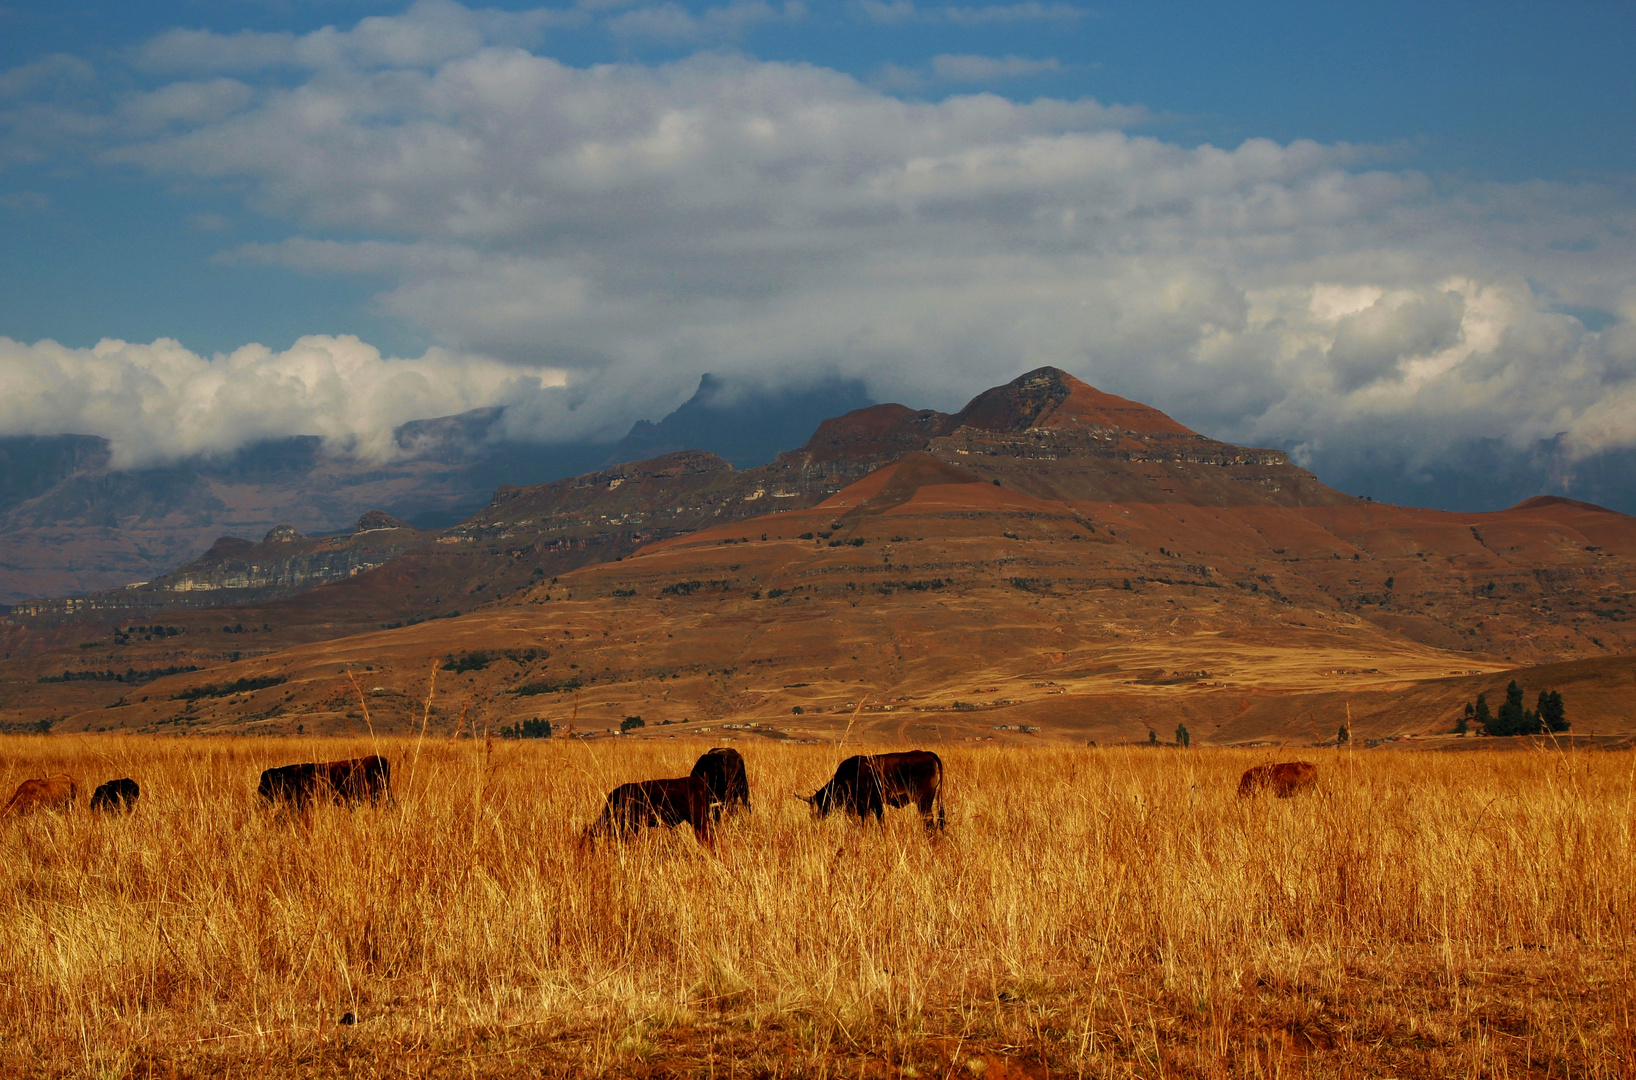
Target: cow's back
{"points": [[118, 794], [867, 784], [294, 784], [56, 792], [644, 803], [357, 779], [349, 781], [1284, 778]]}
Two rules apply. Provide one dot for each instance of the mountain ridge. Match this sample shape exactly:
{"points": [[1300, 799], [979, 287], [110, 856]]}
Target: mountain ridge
{"points": [[1154, 577]]}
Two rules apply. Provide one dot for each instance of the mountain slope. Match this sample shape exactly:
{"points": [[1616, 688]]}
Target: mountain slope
{"points": [[71, 524], [1098, 578]]}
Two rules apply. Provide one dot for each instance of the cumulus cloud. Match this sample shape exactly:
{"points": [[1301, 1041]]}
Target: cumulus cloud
{"points": [[160, 401], [429, 33], [634, 225]]}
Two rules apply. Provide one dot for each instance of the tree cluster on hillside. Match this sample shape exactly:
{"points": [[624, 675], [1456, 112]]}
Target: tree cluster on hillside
{"points": [[528, 729], [1513, 718]]}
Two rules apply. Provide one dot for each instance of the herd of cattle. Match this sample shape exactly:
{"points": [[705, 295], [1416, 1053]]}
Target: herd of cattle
{"points": [[863, 785]]}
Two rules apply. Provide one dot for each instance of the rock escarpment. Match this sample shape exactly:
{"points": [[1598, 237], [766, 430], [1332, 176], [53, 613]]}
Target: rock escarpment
{"points": [[239, 571]]}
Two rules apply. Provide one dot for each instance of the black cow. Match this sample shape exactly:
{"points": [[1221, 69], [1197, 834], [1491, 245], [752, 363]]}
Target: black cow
{"points": [[116, 795], [345, 782], [867, 784], [722, 770], [631, 807]]}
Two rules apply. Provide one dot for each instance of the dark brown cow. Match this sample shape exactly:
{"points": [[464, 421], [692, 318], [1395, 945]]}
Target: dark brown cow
{"points": [[116, 795], [631, 807], [346, 782], [56, 792], [722, 770], [867, 784], [1284, 779]]}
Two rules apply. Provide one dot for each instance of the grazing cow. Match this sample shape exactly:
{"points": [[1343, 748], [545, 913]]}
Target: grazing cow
{"points": [[657, 802], [346, 782], [116, 795], [1285, 779], [722, 770], [867, 784], [50, 793]]}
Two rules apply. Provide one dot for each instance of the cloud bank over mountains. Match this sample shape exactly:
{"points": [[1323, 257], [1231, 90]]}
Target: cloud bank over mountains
{"points": [[585, 241], [161, 401]]}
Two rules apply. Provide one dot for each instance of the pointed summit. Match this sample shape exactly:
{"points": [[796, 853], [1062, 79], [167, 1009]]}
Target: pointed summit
{"points": [[1049, 397]]}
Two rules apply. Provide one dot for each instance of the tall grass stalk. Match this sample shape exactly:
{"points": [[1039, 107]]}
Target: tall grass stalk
{"points": [[1112, 912]]}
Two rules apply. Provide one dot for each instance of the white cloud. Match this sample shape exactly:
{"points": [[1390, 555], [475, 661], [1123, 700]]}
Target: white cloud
{"points": [[58, 69], [161, 401], [636, 225], [186, 103], [429, 33]]}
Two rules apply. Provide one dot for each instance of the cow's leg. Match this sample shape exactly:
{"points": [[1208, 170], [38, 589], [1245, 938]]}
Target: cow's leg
{"points": [[923, 803]]}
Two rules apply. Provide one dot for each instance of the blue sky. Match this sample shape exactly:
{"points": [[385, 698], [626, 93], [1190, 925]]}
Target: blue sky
{"points": [[1314, 226]]}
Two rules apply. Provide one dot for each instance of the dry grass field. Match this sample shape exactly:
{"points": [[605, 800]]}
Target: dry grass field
{"points": [[1087, 913]]}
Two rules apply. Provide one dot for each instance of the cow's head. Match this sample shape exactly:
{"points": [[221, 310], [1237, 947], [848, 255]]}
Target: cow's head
{"points": [[822, 801]]}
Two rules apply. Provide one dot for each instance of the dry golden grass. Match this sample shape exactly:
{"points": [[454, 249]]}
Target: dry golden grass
{"points": [[1096, 913]]}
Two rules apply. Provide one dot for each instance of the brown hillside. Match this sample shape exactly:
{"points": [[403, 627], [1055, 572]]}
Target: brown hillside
{"points": [[1095, 583], [965, 610]]}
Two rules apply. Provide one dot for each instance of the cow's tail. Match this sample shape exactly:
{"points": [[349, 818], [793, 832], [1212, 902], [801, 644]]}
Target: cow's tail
{"points": [[938, 796]]}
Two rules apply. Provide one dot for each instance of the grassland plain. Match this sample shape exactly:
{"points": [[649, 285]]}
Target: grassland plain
{"points": [[1114, 912]]}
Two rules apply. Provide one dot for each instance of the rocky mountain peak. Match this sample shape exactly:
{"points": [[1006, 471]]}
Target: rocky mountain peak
{"points": [[1049, 397], [374, 520], [282, 534], [879, 432]]}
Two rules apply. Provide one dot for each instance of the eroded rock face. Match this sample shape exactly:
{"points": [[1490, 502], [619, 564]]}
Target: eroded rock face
{"points": [[236, 571]]}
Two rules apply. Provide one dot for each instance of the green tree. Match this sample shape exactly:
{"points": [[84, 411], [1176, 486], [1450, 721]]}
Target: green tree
{"points": [[1551, 712], [1152, 737], [1513, 718], [1461, 724], [1183, 739], [1482, 716], [630, 723], [1343, 737]]}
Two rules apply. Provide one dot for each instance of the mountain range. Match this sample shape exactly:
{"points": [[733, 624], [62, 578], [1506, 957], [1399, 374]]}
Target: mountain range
{"points": [[71, 523], [1050, 557]]}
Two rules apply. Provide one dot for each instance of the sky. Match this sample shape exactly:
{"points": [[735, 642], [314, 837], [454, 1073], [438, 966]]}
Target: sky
{"points": [[1374, 235]]}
